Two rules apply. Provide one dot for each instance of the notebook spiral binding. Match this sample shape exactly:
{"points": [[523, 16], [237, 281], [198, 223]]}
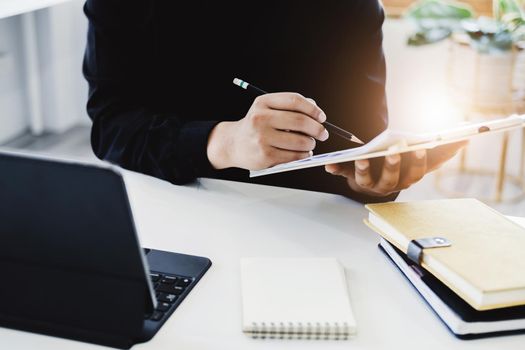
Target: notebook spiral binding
{"points": [[298, 330]]}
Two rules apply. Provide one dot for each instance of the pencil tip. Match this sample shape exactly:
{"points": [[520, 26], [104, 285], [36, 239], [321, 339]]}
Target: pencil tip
{"points": [[356, 140]]}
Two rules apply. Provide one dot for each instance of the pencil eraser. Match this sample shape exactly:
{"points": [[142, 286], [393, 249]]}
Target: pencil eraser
{"points": [[240, 83], [237, 81]]}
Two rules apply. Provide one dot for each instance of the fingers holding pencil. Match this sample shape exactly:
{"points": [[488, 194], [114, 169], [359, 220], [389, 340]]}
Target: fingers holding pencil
{"points": [[278, 128], [314, 110]]}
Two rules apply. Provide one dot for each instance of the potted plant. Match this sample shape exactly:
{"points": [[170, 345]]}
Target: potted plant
{"points": [[487, 59]]}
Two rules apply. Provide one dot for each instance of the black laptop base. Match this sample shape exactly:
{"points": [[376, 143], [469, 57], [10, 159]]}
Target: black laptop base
{"points": [[164, 265], [173, 277]]}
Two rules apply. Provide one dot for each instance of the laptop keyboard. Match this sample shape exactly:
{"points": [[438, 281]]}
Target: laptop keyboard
{"points": [[167, 288]]}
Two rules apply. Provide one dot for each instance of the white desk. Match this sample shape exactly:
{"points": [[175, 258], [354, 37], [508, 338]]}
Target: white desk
{"points": [[225, 221]]}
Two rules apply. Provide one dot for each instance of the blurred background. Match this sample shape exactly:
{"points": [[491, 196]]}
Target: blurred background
{"points": [[448, 62]]}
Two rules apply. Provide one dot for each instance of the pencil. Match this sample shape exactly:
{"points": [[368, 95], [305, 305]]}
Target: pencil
{"points": [[331, 127]]}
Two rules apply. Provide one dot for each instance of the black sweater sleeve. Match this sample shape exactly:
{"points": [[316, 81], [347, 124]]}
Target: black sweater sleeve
{"points": [[126, 129]]}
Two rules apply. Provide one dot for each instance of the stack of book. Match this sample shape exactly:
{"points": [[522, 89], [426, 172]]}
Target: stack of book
{"points": [[466, 260]]}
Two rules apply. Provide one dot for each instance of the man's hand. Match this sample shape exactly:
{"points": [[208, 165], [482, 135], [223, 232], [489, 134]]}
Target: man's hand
{"points": [[384, 176], [278, 128]]}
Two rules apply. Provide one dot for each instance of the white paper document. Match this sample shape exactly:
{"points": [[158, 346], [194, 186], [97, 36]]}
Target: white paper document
{"points": [[392, 142]]}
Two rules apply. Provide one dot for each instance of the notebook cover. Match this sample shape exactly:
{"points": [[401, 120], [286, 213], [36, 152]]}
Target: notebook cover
{"points": [[487, 249], [295, 296], [465, 311]]}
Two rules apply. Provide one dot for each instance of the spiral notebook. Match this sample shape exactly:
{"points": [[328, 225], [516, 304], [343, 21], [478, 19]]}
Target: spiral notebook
{"points": [[295, 298]]}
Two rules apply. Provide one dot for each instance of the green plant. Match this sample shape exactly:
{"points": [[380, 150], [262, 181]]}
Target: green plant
{"points": [[437, 20]]}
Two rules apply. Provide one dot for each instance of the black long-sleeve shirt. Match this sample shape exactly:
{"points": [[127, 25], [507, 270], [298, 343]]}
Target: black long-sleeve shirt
{"points": [[160, 76]]}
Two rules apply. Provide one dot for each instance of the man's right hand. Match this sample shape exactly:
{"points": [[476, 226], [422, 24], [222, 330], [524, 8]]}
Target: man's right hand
{"points": [[278, 128]]}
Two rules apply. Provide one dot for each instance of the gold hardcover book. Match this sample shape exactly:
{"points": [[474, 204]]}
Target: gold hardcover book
{"points": [[485, 263]]}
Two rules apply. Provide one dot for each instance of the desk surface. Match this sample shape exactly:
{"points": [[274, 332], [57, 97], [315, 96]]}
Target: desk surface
{"points": [[10, 8], [226, 221]]}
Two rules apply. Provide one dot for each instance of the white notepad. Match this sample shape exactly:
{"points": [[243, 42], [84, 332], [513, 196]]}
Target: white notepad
{"points": [[295, 298]]}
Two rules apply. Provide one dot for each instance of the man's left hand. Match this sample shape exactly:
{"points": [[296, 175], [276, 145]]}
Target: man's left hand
{"points": [[383, 176]]}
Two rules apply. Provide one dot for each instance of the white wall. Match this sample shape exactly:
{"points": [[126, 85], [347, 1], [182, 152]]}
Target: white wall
{"points": [[61, 32], [416, 84], [62, 38], [13, 112]]}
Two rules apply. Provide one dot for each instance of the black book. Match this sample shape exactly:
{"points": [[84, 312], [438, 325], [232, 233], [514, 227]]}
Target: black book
{"points": [[462, 320]]}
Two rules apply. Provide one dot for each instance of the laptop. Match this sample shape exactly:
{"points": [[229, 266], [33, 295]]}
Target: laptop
{"points": [[71, 264]]}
